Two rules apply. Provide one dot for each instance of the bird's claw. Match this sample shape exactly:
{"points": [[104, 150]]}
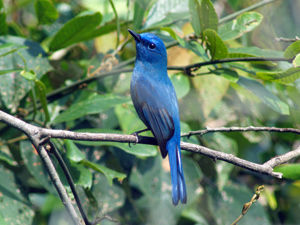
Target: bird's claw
{"points": [[137, 139]]}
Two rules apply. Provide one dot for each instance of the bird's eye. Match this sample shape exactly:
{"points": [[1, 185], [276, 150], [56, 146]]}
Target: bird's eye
{"points": [[152, 46]]}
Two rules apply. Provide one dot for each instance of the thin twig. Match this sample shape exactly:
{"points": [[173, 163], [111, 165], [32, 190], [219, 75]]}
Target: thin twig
{"points": [[189, 68], [241, 129], [250, 8], [62, 92], [287, 39], [247, 205], [117, 21]]}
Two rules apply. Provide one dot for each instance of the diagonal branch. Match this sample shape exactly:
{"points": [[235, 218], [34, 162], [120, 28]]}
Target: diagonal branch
{"points": [[250, 8], [278, 160], [35, 135]]}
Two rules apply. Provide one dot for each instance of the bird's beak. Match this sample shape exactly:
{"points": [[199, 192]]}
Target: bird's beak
{"points": [[136, 36]]}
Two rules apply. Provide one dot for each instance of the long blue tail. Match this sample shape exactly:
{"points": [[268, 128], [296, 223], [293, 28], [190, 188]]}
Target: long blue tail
{"points": [[177, 177]]}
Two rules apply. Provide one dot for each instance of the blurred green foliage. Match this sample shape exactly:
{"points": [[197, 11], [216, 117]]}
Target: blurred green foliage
{"points": [[48, 46]]}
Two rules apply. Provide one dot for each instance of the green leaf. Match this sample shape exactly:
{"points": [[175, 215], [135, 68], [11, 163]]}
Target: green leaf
{"points": [[194, 215], [34, 165], [246, 55], [109, 173], [173, 34], [289, 171], [93, 105], [29, 75], [140, 7], [244, 23], [292, 50], [10, 46], [266, 96], [14, 205], [41, 90], [128, 118], [257, 51], [210, 91], [81, 28], [152, 178], [3, 25], [296, 61], [215, 45], [203, 16], [80, 174], [228, 145], [2, 221], [2, 72], [73, 152], [288, 76], [229, 74], [14, 87], [108, 197], [51, 203], [195, 12], [45, 11], [165, 12], [181, 84], [7, 158], [137, 150], [191, 45]]}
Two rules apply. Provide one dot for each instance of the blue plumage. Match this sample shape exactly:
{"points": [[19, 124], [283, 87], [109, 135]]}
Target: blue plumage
{"points": [[155, 101]]}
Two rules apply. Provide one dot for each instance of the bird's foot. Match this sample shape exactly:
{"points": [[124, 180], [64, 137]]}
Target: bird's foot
{"points": [[136, 134]]}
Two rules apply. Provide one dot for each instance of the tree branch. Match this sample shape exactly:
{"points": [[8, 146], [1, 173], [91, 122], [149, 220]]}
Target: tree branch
{"points": [[190, 68], [266, 168], [61, 92], [250, 8], [34, 134], [287, 39], [241, 129], [69, 178], [277, 160]]}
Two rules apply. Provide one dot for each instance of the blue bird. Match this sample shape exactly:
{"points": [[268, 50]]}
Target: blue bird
{"points": [[155, 101]]}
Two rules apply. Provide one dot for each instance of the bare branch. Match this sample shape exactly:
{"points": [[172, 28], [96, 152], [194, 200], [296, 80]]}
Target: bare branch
{"points": [[287, 39], [241, 129], [69, 178], [34, 131], [57, 183], [190, 68], [283, 158], [214, 154], [250, 8], [35, 135]]}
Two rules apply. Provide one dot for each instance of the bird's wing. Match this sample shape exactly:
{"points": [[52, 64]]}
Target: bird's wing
{"points": [[153, 107]]}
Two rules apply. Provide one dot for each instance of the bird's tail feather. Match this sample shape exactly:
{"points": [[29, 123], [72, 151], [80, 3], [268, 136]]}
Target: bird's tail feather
{"points": [[177, 177]]}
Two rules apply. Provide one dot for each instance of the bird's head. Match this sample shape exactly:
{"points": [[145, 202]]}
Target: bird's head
{"points": [[149, 48]]}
